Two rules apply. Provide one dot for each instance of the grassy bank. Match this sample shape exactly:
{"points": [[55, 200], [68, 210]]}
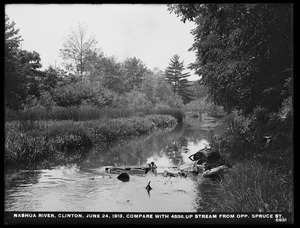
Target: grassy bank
{"points": [[87, 112], [249, 187], [261, 179], [29, 142]]}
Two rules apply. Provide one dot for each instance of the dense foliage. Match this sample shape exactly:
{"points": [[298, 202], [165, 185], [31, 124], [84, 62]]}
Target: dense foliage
{"points": [[244, 52], [89, 78], [244, 58]]}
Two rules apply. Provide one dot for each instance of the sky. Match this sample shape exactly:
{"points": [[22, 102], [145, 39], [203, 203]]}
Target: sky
{"points": [[148, 32]]}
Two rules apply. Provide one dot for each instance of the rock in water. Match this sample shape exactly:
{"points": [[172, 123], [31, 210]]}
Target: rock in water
{"points": [[123, 177]]}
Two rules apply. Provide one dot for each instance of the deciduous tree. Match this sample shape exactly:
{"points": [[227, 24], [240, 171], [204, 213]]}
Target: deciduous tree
{"points": [[244, 52], [79, 48], [133, 71]]}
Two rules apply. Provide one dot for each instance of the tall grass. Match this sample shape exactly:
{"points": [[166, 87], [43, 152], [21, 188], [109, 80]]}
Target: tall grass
{"points": [[249, 187], [29, 143], [87, 112], [261, 178], [75, 113]]}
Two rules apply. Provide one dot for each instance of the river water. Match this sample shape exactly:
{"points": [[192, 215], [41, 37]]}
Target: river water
{"points": [[85, 186]]}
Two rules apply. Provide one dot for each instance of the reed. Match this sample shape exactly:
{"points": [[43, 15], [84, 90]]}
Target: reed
{"points": [[249, 187], [87, 112], [75, 113], [31, 142]]}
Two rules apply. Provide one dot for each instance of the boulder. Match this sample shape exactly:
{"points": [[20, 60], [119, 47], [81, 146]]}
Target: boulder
{"points": [[124, 177]]}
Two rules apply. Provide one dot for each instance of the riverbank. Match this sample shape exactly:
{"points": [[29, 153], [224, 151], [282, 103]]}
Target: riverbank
{"points": [[36, 142], [261, 179]]}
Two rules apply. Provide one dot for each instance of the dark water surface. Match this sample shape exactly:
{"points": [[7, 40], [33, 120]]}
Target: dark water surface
{"points": [[86, 187]]}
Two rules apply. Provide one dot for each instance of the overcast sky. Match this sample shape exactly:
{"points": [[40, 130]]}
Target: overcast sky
{"points": [[145, 31]]}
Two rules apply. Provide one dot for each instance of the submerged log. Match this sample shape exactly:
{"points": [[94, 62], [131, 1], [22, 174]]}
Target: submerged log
{"points": [[131, 170]]}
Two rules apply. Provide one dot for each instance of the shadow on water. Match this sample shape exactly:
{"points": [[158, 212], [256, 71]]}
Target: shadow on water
{"points": [[83, 186]]}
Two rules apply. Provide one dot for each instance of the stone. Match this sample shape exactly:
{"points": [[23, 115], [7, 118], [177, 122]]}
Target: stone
{"points": [[124, 177]]}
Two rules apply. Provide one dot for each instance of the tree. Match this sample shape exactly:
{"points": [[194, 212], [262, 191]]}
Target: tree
{"points": [[133, 71], [29, 64], [177, 79], [137, 100], [158, 91], [78, 48], [51, 78], [72, 94], [243, 52], [14, 89], [22, 75], [109, 72], [199, 90]]}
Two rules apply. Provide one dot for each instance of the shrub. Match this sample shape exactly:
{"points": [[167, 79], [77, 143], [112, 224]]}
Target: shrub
{"points": [[11, 114], [178, 114], [136, 100], [245, 136]]}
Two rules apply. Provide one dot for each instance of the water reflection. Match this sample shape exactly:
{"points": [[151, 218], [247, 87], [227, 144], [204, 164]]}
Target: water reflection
{"points": [[75, 187], [172, 147]]}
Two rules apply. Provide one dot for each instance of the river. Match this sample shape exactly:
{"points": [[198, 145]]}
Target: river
{"points": [[86, 187]]}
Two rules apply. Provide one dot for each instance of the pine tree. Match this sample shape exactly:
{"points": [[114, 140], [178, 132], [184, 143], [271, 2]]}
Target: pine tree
{"points": [[178, 80]]}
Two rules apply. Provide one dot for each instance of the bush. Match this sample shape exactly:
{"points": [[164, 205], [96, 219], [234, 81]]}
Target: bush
{"points": [[245, 136], [71, 94], [11, 114], [178, 114], [137, 100], [162, 121]]}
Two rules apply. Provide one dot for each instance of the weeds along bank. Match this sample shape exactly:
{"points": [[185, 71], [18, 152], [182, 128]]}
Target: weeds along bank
{"points": [[261, 179], [86, 112], [29, 142], [251, 186]]}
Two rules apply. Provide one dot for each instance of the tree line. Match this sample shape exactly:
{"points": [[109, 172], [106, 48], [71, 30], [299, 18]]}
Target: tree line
{"points": [[88, 77], [244, 58]]}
